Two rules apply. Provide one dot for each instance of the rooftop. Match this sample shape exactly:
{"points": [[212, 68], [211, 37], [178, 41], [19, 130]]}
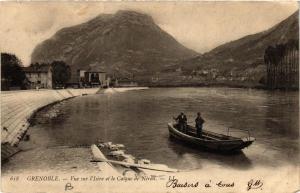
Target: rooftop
{"points": [[37, 68]]}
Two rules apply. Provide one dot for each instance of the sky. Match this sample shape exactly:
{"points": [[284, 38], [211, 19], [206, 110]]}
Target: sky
{"points": [[200, 26]]}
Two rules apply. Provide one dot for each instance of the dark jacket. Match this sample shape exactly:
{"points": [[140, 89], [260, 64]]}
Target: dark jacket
{"points": [[199, 121], [181, 119]]}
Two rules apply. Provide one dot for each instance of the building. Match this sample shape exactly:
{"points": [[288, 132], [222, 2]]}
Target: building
{"points": [[92, 78], [39, 76]]}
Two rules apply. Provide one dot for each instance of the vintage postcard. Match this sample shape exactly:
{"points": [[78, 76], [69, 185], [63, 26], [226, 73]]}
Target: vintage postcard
{"points": [[149, 97]]}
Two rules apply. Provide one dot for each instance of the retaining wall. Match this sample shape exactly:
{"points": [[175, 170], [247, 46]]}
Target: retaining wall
{"points": [[18, 106]]}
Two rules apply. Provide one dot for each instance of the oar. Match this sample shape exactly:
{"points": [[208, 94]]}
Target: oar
{"points": [[135, 165]]}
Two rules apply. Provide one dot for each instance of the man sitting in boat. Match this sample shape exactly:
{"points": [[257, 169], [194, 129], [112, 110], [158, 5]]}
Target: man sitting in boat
{"points": [[199, 124], [182, 122]]}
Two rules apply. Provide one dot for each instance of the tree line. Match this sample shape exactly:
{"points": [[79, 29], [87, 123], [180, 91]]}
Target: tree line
{"points": [[282, 62], [13, 74]]}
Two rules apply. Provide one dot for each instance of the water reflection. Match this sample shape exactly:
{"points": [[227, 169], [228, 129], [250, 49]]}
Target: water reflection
{"points": [[139, 120], [236, 160]]}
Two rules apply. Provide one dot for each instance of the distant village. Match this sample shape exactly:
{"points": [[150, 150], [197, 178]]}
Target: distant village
{"points": [[56, 75], [42, 77]]}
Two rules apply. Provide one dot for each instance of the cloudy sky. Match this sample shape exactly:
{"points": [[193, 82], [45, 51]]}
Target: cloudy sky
{"points": [[197, 25]]}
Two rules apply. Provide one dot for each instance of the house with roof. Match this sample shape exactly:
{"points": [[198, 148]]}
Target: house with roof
{"points": [[39, 76], [91, 78]]}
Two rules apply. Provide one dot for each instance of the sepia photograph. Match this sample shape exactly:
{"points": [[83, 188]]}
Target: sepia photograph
{"points": [[149, 96]]}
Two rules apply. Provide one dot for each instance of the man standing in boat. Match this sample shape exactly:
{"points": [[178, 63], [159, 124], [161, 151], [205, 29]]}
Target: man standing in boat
{"points": [[182, 122], [199, 124]]}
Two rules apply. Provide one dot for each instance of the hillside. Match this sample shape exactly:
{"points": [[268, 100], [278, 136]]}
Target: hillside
{"points": [[126, 44], [240, 61], [250, 48]]}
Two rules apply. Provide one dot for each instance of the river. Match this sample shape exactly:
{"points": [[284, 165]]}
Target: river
{"points": [[138, 119]]}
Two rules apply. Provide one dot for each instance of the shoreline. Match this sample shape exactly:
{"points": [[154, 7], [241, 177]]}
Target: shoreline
{"points": [[18, 108], [34, 114], [220, 85], [218, 171], [12, 134], [66, 94]]}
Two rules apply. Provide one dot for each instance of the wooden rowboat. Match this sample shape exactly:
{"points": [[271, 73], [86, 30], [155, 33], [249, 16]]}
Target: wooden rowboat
{"points": [[107, 166], [210, 140]]}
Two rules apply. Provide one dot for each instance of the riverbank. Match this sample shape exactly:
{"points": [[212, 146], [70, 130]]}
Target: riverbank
{"points": [[18, 106], [138, 120], [212, 85], [45, 106], [229, 84]]}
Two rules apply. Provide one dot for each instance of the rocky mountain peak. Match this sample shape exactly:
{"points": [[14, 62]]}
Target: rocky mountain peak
{"points": [[124, 43]]}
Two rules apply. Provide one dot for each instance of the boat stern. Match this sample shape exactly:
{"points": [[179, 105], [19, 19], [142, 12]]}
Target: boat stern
{"points": [[248, 139]]}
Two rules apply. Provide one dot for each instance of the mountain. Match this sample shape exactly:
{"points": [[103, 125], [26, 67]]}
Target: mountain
{"points": [[241, 60], [250, 48], [126, 44]]}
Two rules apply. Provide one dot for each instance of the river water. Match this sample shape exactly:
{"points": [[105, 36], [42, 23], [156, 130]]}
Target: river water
{"points": [[138, 119]]}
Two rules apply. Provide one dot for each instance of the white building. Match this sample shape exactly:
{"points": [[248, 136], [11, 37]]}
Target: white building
{"points": [[39, 76]]}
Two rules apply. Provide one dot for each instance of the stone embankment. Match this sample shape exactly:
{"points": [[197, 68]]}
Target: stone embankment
{"points": [[18, 106]]}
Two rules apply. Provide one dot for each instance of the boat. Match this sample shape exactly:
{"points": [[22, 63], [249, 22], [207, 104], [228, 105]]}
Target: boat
{"points": [[116, 167], [210, 140]]}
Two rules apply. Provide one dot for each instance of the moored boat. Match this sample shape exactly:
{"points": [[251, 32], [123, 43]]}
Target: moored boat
{"points": [[210, 140]]}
